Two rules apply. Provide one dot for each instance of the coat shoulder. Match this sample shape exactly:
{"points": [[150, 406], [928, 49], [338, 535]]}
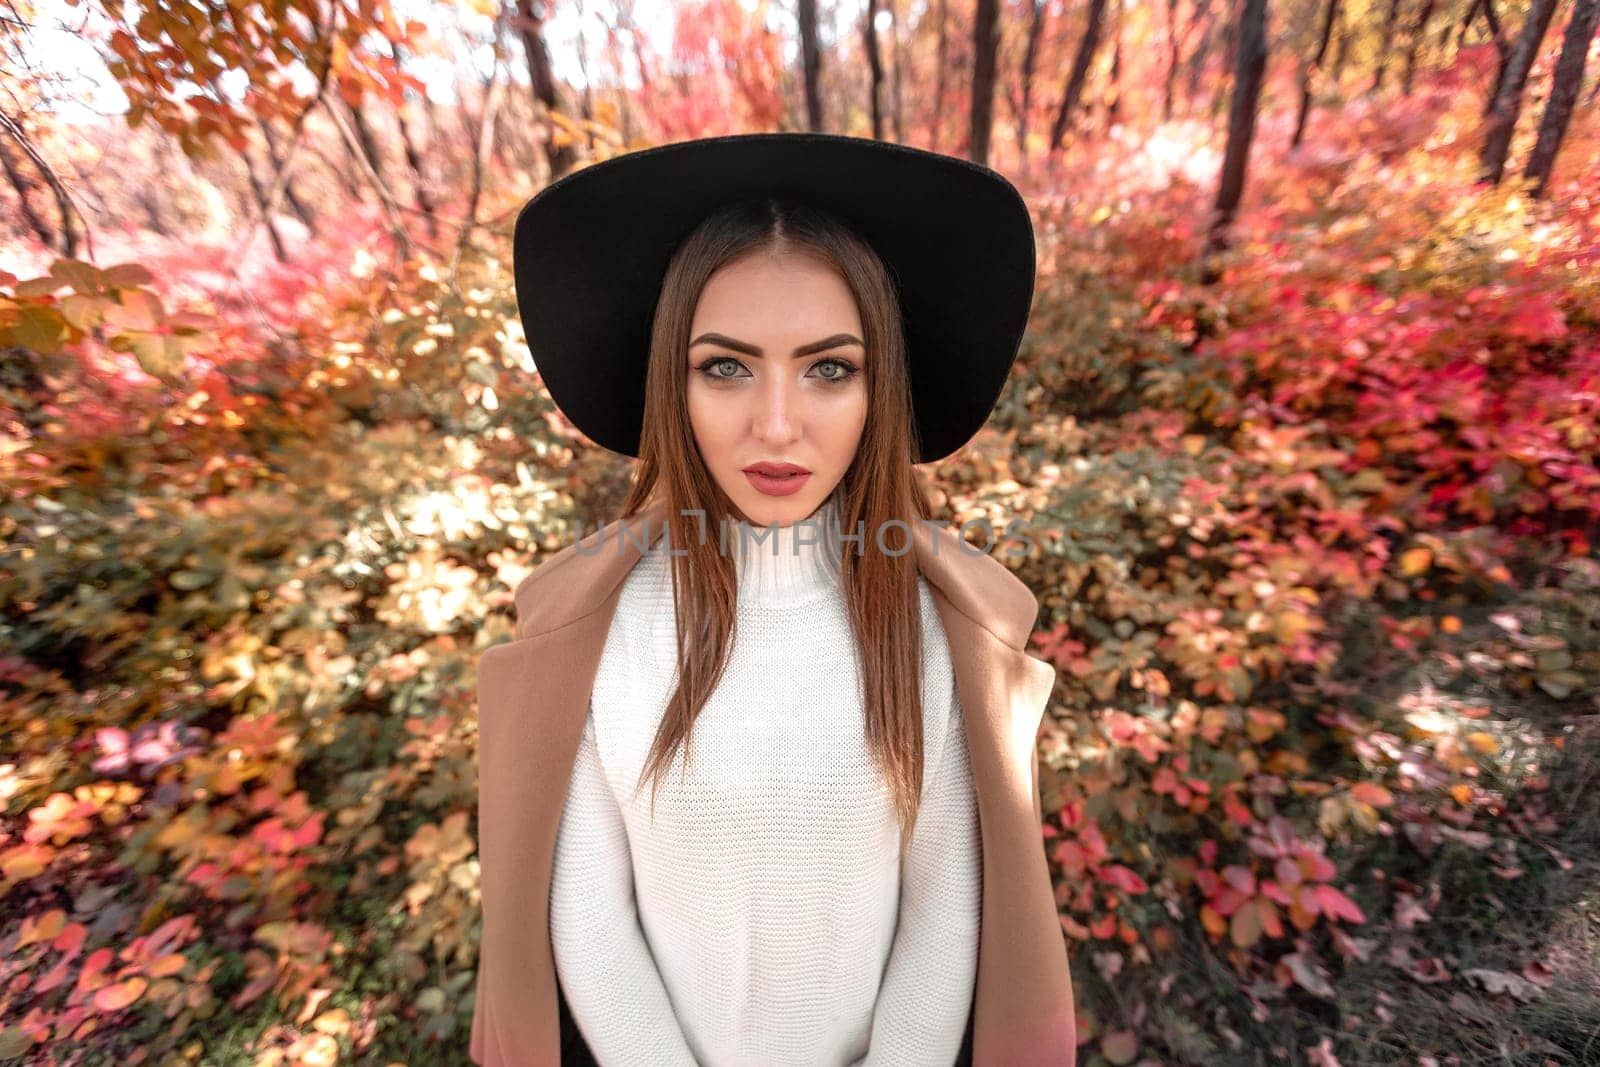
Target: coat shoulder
{"points": [[978, 585], [575, 580]]}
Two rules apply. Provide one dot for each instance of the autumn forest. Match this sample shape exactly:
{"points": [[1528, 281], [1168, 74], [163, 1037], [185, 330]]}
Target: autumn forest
{"points": [[1306, 420]]}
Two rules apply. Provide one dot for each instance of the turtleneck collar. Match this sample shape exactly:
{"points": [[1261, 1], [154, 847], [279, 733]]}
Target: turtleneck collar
{"points": [[783, 564]]}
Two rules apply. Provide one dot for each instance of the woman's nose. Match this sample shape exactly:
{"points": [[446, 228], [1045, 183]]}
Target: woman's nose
{"points": [[777, 415]]}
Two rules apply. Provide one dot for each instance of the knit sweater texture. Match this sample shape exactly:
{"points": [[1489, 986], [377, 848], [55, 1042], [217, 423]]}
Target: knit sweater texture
{"points": [[761, 916]]}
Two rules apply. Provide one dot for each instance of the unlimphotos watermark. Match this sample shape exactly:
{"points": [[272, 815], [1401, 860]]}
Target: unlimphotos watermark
{"points": [[811, 532]]}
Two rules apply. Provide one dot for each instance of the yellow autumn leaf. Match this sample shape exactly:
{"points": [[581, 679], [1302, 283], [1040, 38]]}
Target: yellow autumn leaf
{"points": [[1262, 725], [1415, 561], [1483, 742], [169, 964], [335, 1022], [177, 835], [1331, 814], [23, 862], [44, 928]]}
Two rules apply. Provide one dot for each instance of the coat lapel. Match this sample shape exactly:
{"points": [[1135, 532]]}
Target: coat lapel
{"points": [[533, 698]]}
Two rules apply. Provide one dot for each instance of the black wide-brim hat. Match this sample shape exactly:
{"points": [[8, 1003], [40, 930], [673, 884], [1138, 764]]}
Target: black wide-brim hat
{"points": [[590, 252]]}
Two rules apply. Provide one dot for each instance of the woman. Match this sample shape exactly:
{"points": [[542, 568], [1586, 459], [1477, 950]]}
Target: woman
{"points": [[778, 326]]}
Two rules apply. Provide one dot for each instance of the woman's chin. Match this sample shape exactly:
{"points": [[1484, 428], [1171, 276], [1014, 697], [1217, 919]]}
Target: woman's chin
{"points": [[760, 509]]}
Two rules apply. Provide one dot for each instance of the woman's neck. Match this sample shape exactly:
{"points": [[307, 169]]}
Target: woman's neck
{"points": [[780, 564]]}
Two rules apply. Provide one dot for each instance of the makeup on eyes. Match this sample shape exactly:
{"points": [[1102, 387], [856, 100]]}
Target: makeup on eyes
{"points": [[848, 370]]}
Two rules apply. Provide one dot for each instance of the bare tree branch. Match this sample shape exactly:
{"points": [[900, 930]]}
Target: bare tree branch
{"points": [[281, 180], [397, 228], [64, 201]]}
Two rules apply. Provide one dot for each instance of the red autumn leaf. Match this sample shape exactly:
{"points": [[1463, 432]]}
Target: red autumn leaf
{"points": [[1336, 905], [1123, 878]]}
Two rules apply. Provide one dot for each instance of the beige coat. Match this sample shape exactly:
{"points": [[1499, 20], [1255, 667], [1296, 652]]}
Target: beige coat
{"points": [[533, 698]]}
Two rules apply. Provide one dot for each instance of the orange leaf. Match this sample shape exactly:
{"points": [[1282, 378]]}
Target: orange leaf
{"points": [[119, 996], [1415, 561], [165, 965], [1270, 923], [43, 928], [1372, 793]]}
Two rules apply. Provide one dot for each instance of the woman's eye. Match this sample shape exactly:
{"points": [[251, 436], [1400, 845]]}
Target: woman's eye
{"points": [[709, 368], [841, 372], [726, 368]]}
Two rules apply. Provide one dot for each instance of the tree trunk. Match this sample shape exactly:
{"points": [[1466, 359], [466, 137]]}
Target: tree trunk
{"points": [[259, 194], [1441, 40], [419, 180], [342, 173], [811, 63], [300, 209], [1313, 70], [1418, 29], [493, 93], [1565, 83], [23, 184], [1173, 54], [559, 153], [493, 100], [869, 42], [336, 108], [586, 98], [985, 52], [1080, 74], [64, 204], [1230, 54], [369, 143], [939, 69], [1114, 90], [897, 43], [1508, 101], [1502, 48], [631, 25], [1384, 40], [1341, 48], [1030, 60], [1252, 63], [1202, 48], [1466, 23]]}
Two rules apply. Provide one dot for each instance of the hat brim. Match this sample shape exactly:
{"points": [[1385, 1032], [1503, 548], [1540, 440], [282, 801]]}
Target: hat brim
{"points": [[591, 249]]}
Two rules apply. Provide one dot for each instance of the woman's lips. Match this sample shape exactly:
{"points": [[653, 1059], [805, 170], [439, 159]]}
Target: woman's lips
{"points": [[776, 484]]}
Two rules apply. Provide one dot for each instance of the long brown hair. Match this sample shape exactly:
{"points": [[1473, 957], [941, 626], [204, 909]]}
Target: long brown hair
{"points": [[879, 585]]}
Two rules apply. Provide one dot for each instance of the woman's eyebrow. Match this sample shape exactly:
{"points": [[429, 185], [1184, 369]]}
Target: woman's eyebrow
{"points": [[836, 341]]}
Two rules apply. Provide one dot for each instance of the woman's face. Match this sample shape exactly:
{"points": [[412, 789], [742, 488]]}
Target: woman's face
{"points": [[777, 376]]}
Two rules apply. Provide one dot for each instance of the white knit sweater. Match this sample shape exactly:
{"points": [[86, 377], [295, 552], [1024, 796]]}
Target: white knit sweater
{"points": [[762, 917]]}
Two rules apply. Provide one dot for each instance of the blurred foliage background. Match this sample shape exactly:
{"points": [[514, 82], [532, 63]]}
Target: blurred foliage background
{"points": [[1304, 428]]}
